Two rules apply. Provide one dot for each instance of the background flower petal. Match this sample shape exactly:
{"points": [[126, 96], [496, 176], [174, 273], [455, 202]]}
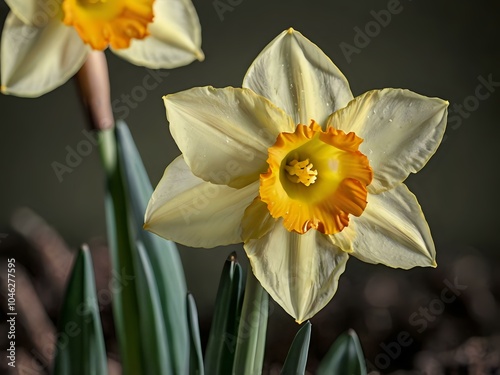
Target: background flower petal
{"points": [[35, 12], [175, 38], [224, 133], [401, 131], [190, 211], [36, 60], [300, 272], [392, 230], [298, 77]]}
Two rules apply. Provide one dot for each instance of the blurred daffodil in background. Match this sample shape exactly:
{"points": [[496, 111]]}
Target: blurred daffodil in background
{"points": [[300, 171], [45, 42]]}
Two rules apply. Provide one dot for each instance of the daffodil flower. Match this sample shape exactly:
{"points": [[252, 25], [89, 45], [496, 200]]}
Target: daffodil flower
{"points": [[45, 42], [300, 171]]}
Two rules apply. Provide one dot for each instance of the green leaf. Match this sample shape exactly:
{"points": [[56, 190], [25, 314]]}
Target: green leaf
{"points": [[125, 303], [153, 333], [344, 357], [296, 359], [196, 358], [80, 325], [219, 356], [162, 254], [252, 328]]}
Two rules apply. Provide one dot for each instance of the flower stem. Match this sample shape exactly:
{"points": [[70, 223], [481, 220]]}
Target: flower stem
{"points": [[93, 80]]}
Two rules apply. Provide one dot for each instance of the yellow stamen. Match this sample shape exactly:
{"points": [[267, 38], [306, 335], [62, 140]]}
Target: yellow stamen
{"points": [[301, 171], [109, 22], [321, 198]]}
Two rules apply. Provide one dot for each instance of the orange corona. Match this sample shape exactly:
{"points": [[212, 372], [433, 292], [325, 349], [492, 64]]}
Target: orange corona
{"points": [[316, 179], [103, 23]]}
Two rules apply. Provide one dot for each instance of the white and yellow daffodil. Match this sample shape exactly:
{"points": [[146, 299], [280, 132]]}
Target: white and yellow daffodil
{"points": [[45, 42], [300, 171]]}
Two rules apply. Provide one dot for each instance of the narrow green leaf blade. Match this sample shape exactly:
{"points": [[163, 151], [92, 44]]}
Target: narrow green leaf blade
{"points": [[84, 352], [219, 355], [296, 359], [195, 358], [163, 255], [252, 329], [125, 305], [154, 337], [344, 357]]}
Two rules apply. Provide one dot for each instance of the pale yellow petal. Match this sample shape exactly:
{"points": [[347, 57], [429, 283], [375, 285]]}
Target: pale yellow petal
{"points": [[224, 134], [35, 12], [298, 77], [36, 60], [190, 211], [392, 230], [257, 221], [175, 38], [300, 272], [401, 131]]}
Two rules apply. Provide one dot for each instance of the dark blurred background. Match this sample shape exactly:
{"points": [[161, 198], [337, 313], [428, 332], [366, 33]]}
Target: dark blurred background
{"points": [[423, 321]]}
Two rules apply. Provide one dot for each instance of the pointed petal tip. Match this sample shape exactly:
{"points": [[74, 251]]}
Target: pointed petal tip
{"points": [[290, 30], [200, 56]]}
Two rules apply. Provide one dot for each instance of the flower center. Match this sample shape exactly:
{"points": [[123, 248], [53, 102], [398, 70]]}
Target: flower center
{"points": [[301, 171], [316, 179], [109, 22]]}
